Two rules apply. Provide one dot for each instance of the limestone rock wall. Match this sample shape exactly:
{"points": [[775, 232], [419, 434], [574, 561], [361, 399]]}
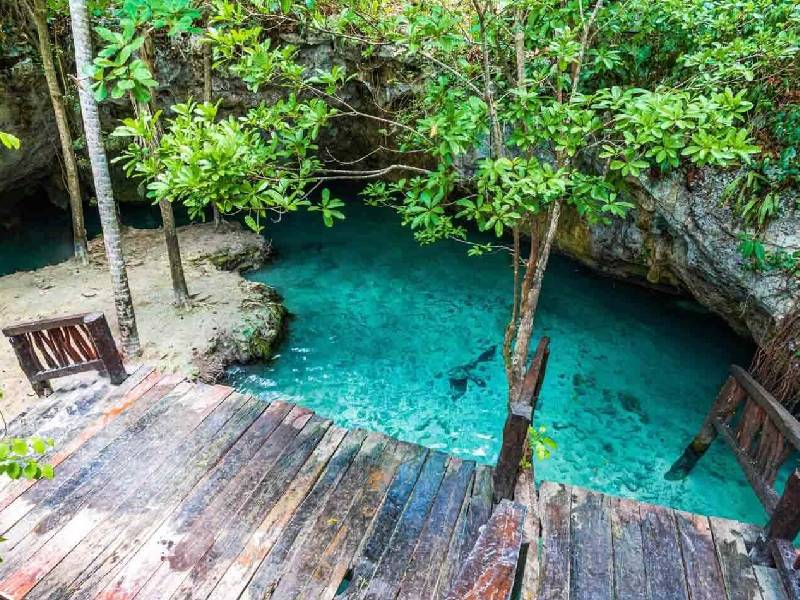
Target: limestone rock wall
{"points": [[684, 237]]}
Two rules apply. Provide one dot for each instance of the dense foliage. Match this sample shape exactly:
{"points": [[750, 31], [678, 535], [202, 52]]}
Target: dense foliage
{"points": [[499, 114]]}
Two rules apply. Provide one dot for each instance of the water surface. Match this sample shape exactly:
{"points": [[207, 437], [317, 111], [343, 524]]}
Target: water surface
{"points": [[382, 325]]}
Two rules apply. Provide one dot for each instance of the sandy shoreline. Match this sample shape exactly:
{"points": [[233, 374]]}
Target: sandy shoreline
{"points": [[231, 319]]}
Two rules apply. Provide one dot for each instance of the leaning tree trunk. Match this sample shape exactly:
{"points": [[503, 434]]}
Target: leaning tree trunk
{"points": [[179, 287], [102, 180], [39, 16]]}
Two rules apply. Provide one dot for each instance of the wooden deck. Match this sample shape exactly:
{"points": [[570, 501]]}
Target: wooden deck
{"points": [[600, 547], [167, 489]]}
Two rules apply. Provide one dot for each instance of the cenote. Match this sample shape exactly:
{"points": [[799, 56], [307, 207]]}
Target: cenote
{"points": [[385, 334]]}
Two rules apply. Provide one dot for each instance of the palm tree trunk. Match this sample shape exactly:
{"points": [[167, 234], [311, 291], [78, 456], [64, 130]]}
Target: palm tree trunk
{"points": [[123, 301], [39, 16], [207, 97], [179, 287]]}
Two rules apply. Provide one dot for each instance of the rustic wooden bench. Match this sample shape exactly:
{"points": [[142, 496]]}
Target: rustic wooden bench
{"points": [[62, 346]]}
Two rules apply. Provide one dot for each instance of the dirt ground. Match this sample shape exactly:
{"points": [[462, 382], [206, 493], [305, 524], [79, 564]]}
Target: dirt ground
{"points": [[185, 341]]}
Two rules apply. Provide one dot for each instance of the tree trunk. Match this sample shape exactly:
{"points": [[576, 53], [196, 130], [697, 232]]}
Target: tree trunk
{"points": [[530, 301], [102, 181], [39, 16], [179, 287], [207, 97]]}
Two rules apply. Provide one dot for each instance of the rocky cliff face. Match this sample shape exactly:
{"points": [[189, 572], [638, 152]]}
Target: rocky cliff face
{"points": [[683, 237], [25, 111], [678, 239]]}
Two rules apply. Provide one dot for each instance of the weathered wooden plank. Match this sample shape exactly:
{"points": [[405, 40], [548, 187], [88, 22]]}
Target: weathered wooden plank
{"points": [[785, 556], [515, 435], [106, 347], [338, 556], [289, 515], [784, 523], [663, 564], [204, 576], [386, 578], [737, 571], [488, 573], [474, 515], [630, 581], [146, 505], [54, 538], [383, 524], [47, 503], [769, 583], [776, 411], [764, 491], [555, 501], [302, 559], [62, 414], [92, 416], [43, 324], [92, 365], [525, 494], [185, 511], [272, 546], [423, 570], [29, 363], [167, 557], [703, 574], [592, 565]]}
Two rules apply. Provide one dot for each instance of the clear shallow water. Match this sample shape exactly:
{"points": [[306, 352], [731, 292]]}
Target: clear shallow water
{"points": [[382, 324]]}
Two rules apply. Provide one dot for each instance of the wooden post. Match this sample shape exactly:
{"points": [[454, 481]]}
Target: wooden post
{"points": [[728, 399], [785, 557], [785, 521], [515, 430], [106, 348], [29, 364], [515, 433]]}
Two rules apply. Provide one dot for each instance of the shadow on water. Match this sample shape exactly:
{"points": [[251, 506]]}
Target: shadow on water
{"points": [[43, 233]]}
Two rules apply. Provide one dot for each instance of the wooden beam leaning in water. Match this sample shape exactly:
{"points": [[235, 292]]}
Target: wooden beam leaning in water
{"points": [[515, 430], [490, 569], [729, 398]]}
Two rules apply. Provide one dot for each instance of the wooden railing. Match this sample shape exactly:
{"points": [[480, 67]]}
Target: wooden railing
{"points": [[763, 435], [515, 431], [62, 346]]}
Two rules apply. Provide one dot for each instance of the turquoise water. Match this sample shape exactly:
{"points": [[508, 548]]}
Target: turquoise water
{"points": [[402, 339], [381, 325]]}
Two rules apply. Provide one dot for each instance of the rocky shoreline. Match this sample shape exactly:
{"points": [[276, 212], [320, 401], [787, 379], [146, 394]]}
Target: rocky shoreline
{"points": [[231, 319]]}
